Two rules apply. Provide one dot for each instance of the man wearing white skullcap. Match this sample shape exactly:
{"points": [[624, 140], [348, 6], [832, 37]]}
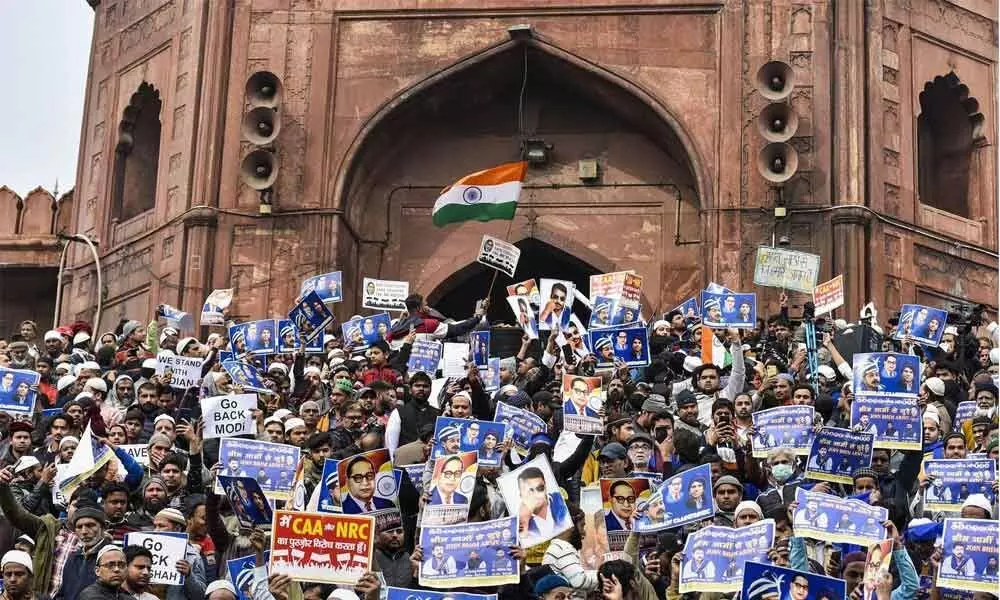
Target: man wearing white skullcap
{"points": [[977, 506], [18, 574], [220, 589]]}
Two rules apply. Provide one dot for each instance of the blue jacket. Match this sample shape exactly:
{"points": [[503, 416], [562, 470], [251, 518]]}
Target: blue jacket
{"points": [[79, 571], [134, 471]]}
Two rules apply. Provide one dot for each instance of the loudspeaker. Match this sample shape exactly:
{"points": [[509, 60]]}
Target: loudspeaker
{"points": [[259, 169], [777, 122], [775, 80], [777, 162], [261, 125], [263, 89]]}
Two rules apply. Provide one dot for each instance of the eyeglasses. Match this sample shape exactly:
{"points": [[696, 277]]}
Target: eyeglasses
{"points": [[360, 477], [115, 566], [800, 585], [580, 391], [451, 474], [624, 499]]}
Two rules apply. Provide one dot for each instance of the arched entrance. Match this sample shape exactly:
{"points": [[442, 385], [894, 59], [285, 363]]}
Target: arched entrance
{"points": [[466, 118]]}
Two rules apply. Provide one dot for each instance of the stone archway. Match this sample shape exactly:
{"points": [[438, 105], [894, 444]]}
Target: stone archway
{"points": [[465, 118]]}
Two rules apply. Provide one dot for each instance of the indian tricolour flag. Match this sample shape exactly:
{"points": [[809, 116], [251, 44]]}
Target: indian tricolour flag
{"points": [[481, 196]]}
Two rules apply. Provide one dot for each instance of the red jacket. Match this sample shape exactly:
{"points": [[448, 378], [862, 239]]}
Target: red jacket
{"points": [[384, 373]]}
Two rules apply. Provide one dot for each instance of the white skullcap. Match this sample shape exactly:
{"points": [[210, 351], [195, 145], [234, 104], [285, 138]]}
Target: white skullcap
{"points": [[343, 594], [283, 413], [221, 585], [935, 385], [273, 419], [52, 334], [660, 323], [84, 395], [80, 337], [292, 423], [312, 369], [980, 501], [748, 505], [64, 367], [951, 329], [17, 557], [184, 343], [278, 366], [691, 363], [931, 413], [89, 365], [827, 371], [24, 463], [164, 418], [96, 383], [67, 440], [64, 382], [508, 390], [995, 356], [149, 363]]}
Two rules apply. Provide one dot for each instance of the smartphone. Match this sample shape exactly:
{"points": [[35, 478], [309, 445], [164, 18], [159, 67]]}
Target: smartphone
{"points": [[771, 370], [184, 414]]}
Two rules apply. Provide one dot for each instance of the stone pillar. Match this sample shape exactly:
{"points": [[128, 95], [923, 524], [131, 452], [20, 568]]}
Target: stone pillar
{"points": [[850, 257]]}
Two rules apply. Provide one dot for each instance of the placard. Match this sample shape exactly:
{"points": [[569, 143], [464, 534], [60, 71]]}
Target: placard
{"points": [[241, 573], [924, 324], [498, 254], [361, 332], [619, 497], [322, 547], [523, 424], [167, 548], [452, 482], [714, 557], [682, 499], [185, 372], [367, 483], [689, 309], [229, 416], [176, 318], [729, 310], [626, 343], [886, 374], [310, 316], [394, 593], [453, 435], [328, 494], [425, 356], [384, 294], [524, 315], [788, 427], [454, 358], [329, 287], [247, 499], [246, 376], [839, 520], [469, 554], [953, 480], [491, 375], [272, 465], [479, 347], [582, 402], [836, 453], [786, 269], [969, 555], [766, 581], [556, 304], [541, 509], [895, 422], [17, 398], [213, 311], [527, 288], [829, 295]]}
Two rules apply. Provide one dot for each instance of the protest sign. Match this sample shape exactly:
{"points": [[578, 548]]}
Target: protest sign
{"points": [[469, 554], [836, 453], [498, 254], [383, 294], [328, 287], [602, 313], [321, 547], [624, 288], [361, 332], [479, 347], [582, 400], [531, 491], [783, 427], [184, 371], [17, 398], [229, 416], [556, 304], [786, 269], [416, 474], [140, 452], [214, 309], [167, 548], [766, 582], [886, 374], [261, 337], [689, 309], [924, 325], [454, 435], [452, 482], [288, 339], [394, 593], [328, 496], [714, 556], [245, 375], [619, 497], [454, 358], [729, 310], [969, 557], [272, 465], [247, 500], [527, 288], [491, 375], [241, 573], [524, 315], [629, 344], [625, 315], [310, 316], [523, 424], [894, 421], [965, 412], [876, 567], [176, 318], [595, 541], [953, 480], [717, 288], [367, 483], [682, 499], [829, 295], [90, 456], [425, 355], [839, 520]]}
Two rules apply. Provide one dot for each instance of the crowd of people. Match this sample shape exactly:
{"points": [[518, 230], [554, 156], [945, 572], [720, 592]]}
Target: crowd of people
{"points": [[679, 413]]}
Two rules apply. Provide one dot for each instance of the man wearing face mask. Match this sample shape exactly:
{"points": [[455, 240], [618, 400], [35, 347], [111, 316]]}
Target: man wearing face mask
{"points": [[782, 478]]}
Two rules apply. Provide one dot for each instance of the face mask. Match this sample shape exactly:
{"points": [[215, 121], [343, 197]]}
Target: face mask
{"points": [[782, 473]]}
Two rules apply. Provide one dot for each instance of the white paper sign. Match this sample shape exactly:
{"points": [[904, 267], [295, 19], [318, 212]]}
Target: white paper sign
{"points": [[499, 255], [384, 294], [786, 269], [453, 359], [229, 415], [185, 371], [140, 452], [214, 309], [166, 548]]}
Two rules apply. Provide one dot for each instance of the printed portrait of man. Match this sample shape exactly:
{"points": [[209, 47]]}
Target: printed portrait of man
{"points": [[445, 492], [439, 563], [361, 496], [556, 314], [623, 499], [579, 397], [540, 513]]}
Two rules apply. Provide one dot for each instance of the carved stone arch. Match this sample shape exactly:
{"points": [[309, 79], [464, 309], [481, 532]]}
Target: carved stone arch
{"points": [[36, 218], [949, 129], [137, 153], [10, 210]]}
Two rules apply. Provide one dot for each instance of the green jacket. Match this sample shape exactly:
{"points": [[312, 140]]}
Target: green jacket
{"points": [[43, 529]]}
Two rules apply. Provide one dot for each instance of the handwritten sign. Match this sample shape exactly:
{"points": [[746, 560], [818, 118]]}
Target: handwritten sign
{"points": [[185, 370], [786, 269]]}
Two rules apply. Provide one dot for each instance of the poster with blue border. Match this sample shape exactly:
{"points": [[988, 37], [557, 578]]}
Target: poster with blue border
{"points": [[765, 581], [272, 465], [681, 499], [894, 421], [924, 324], [328, 287], [714, 556], [310, 316], [839, 520], [783, 427], [241, 573], [451, 554], [247, 499], [17, 391], [523, 424], [836, 453], [483, 437], [969, 556], [953, 480], [425, 356], [361, 332]]}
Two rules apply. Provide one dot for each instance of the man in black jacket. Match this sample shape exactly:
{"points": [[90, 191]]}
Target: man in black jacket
{"points": [[110, 566]]}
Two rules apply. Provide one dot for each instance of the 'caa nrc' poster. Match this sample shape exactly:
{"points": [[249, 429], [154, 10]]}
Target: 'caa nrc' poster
{"points": [[499, 255]]}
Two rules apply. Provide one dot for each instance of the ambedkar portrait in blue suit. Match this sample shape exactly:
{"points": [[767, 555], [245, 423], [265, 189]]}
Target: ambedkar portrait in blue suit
{"points": [[361, 496]]}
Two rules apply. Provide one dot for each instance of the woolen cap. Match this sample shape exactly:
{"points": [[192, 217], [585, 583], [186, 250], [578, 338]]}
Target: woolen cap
{"points": [[727, 479], [17, 557], [173, 515]]}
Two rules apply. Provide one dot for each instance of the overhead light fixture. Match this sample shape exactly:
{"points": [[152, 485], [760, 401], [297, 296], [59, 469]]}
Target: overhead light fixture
{"points": [[536, 151]]}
